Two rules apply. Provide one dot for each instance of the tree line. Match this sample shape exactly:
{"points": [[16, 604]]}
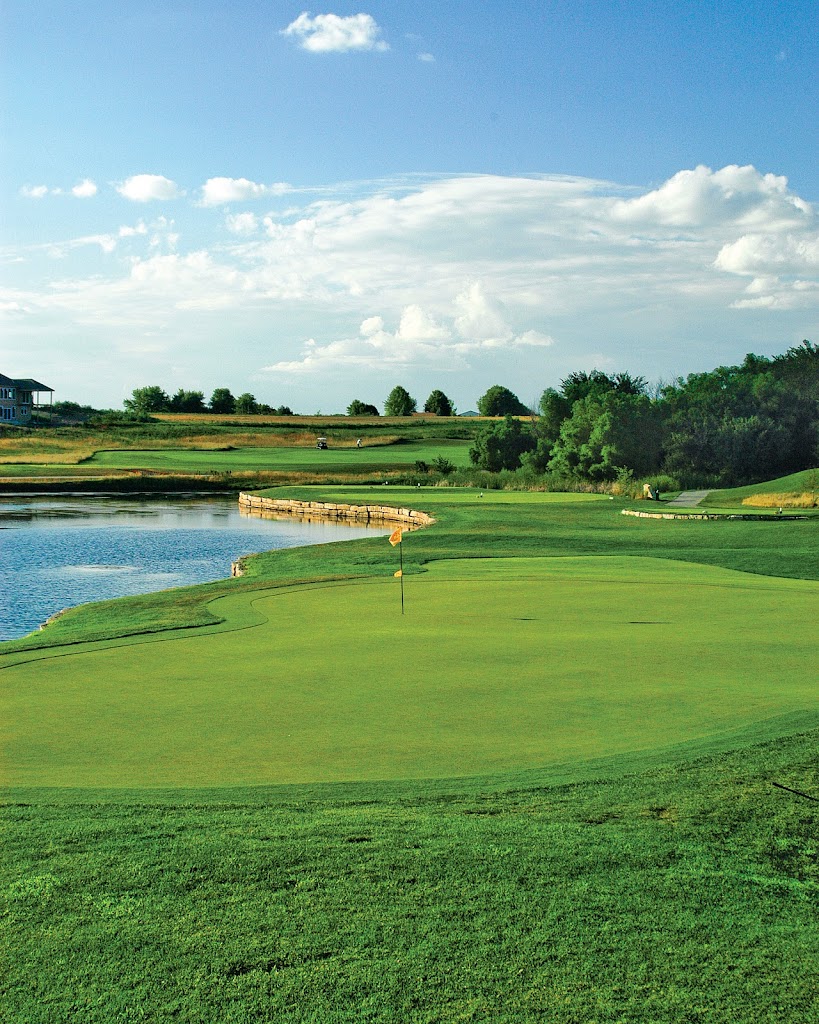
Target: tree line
{"points": [[724, 427], [728, 426], [153, 398]]}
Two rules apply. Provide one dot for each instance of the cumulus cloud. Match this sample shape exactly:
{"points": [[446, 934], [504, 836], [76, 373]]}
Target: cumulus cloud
{"points": [[740, 195], [85, 190], [332, 33], [34, 191], [218, 191], [419, 339], [143, 188], [427, 58], [454, 272]]}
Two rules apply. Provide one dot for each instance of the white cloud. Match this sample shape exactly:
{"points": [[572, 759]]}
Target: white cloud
{"points": [[217, 191], [34, 191], [427, 58], [419, 339], [702, 196], [85, 190], [781, 253], [132, 230], [331, 33], [143, 188], [457, 273], [242, 223]]}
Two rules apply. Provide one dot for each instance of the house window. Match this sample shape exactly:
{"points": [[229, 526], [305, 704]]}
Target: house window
{"points": [[24, 410], [8, 413]]}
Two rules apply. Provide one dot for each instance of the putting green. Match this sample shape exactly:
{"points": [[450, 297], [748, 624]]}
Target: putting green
{"points": [[498, 664]]}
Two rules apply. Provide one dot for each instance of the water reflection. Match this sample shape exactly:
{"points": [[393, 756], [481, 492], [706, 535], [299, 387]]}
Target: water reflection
{"points": [[56, 552]]}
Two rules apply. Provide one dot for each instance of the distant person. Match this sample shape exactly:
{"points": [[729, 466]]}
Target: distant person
{"points": [[358, 443]]}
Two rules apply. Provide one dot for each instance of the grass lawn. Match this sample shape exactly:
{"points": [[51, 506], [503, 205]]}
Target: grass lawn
{"points": [[295, 459], [545, 793]]}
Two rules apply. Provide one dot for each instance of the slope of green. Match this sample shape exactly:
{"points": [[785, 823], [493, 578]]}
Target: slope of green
{"points": [[796, 483]]}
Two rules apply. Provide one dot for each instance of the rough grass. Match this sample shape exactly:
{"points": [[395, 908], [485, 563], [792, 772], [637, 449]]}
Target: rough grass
{"points": [[807, 499]]}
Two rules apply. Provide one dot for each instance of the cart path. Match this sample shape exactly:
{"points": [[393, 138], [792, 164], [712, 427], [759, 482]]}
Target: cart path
{"points": [[688, 499]]}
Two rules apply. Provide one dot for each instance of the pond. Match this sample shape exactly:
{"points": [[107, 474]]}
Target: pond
{"points": [[59, 551]]}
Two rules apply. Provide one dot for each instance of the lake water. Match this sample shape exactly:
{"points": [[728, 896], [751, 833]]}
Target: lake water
{"points": [[56, 552]]}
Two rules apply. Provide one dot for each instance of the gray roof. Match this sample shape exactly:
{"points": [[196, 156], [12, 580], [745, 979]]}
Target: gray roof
{"points": [[26, 383]]}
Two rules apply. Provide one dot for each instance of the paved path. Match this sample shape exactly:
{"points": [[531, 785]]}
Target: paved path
{"points": [[688, 499]]}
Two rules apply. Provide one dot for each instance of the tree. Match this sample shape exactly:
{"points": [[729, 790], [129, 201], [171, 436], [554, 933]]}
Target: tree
{"points": [[148, 399], [399, 403], [359, 408], [246, 404], [187, 401], [500, 401], [222, 401], [606, 434], [500, 445], [438, 404]]}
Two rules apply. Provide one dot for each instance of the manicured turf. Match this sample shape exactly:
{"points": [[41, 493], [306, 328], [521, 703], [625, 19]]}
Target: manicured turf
{"points": [[668, 882], [497, 665], [304, 459]]}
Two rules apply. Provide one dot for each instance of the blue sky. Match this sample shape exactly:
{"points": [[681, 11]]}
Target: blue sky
{"points": [[316, 204]]}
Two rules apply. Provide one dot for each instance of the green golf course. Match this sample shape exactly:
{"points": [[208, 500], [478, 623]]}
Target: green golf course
{"points": [[575, 781], [536, 662]]}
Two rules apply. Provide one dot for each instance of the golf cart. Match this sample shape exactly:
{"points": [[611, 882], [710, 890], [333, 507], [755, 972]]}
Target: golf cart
{"points": [[321, 443]]}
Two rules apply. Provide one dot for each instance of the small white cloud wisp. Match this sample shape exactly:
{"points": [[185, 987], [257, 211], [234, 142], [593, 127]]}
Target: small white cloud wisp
{"points": [[333, 33], [145, 188]]}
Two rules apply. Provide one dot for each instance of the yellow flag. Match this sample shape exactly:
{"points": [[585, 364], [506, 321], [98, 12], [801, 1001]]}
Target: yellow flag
{"points": [[397, 574], [395, 536]]}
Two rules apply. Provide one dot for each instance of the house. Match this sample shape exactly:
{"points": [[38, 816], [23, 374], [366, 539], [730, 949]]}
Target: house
{"points": [[17, 398]]}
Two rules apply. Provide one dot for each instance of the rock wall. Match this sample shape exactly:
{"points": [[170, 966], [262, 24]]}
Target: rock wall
{"points": [[705, 515], [289, 508]]}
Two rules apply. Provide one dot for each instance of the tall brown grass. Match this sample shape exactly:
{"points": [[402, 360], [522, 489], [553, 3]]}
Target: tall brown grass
{"points": [[807, 499]]}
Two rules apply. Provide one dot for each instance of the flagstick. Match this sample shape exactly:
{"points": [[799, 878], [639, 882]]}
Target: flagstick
{"points": [[401, 557]]}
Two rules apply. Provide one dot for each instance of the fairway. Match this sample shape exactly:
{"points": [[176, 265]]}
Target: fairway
{"points": [[276, 459], [498, 665]]}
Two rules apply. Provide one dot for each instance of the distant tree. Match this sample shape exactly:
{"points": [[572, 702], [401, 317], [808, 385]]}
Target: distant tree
{"points": [[438, 404], [147, 400], [222, 401], [500, 401], [246, 404], [399, 403], [500, 445], [359, 408], [580, 385], [188, 401], [283, 410]]}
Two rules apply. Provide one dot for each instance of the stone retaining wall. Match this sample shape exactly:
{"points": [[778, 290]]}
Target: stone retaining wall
{"points": [[706, 515], [331, 510], [289, 508]]}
